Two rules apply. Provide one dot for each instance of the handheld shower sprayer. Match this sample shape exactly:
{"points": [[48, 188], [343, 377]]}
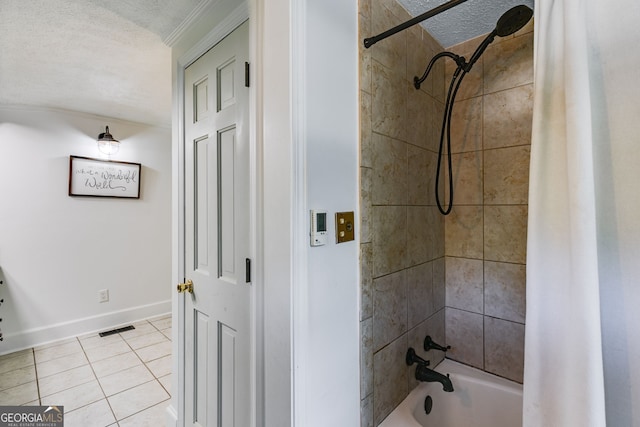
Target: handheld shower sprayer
{"points": [[510, 22]]}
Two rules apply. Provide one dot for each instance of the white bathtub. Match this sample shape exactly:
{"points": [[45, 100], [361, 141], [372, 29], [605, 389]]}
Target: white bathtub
{"points": [[479, 399]]}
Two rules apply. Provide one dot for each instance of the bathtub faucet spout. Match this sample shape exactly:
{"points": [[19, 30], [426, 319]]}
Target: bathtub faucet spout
{"points": [[424, 374], [428, 375]]}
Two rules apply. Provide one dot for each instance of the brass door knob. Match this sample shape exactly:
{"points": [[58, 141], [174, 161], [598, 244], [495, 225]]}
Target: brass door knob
{"points": [[185, 287]]}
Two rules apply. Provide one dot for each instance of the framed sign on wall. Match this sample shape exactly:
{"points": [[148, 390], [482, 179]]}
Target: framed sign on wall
{"points": [[103, 178]]}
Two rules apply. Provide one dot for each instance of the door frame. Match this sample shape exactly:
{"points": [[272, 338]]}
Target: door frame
{"points": [[277, 227], [232, 21]]}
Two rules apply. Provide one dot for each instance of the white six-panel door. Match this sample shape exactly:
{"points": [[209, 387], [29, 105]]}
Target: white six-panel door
{"points": [[217, 313]]}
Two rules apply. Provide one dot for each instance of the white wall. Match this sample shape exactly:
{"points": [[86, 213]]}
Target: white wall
{"points": [[57, 251], [614, 65], [304, 118], [330, 330]]}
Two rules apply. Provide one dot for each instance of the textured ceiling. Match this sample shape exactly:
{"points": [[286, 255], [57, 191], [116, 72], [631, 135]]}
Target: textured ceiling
{"points": [[110, 58], [100, 57], [463, 22], [161, 17]]}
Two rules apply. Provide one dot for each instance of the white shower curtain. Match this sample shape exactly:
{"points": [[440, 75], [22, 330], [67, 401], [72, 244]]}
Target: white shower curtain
{"points": [[563, 375]]}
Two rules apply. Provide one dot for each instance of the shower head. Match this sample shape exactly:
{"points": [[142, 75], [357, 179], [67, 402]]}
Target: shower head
{"points": [[512, 20]]}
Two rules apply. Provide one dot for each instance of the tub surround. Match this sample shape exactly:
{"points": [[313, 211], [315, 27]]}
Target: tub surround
{"points": [[485, 235], [405, 242], [402, 234]]}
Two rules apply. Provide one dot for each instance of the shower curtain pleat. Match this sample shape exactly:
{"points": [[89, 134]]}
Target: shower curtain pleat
{"points": [[563, 375]]}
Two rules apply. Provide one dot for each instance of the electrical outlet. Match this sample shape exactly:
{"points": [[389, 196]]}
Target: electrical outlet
{"points": [[103, 295]]}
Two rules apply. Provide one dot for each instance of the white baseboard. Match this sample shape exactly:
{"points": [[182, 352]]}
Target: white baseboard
{"points": [[172, 416], [40, 336]]}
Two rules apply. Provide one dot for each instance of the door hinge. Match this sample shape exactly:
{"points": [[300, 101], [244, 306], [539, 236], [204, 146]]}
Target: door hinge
{"points": [[247, 272], [246, 74]]}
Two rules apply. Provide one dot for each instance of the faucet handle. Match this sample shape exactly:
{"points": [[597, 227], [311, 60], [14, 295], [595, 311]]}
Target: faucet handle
{"points": [[430, 344], [412, 358]]}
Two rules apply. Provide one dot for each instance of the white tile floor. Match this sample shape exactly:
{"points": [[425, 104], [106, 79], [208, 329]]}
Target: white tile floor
{"points": [[119, 380]]}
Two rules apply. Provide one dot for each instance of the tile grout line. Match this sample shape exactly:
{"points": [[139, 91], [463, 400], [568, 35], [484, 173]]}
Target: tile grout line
{"points": [[97, 380], [66, 370], [152, 373], [35, 368], [83, 351], [142, 410], [149, 370]]}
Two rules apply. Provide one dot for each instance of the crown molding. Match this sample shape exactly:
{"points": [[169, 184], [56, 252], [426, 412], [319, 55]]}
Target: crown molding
{"points": [[193, 16]]}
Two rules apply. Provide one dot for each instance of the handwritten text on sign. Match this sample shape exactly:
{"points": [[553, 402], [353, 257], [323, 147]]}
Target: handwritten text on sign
{"points": [[93, 177]]}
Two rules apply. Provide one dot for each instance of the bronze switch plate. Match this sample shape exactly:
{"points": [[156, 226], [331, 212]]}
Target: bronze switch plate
{"points": [[345, 227]]}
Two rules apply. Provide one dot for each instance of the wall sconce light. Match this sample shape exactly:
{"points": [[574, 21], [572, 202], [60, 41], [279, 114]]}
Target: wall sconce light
{"points": [[107, 144]]}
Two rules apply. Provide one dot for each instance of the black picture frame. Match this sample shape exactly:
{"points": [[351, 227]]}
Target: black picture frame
{"points": [[90, 177]]}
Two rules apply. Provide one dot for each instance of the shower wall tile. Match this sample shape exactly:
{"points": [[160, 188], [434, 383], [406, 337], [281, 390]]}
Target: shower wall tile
{"points": [[389, 239], [420, 186], [429, 179], [366, 411], [434, 327], [437, 74], [466, 125], [417, 235], [389, 103], [420, 50], [504, 348], [506, 176], [437, 125], [365, 130], [397, 9], [464, 233], [464, 279], [402, 235], [504, 290], [420, 111], [390, 175], [467, 178], [485, 235], [392, 51], [416, 68], [419, 293], [366, 357], [464, 332], [364, 30], [505, 233], [364, 9], [439, 284], [508, 116], [366, 281], [508, 64], [389, 308], [435, 233], [418, 58], [390, 373], [471, 85], [366, 213]]}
